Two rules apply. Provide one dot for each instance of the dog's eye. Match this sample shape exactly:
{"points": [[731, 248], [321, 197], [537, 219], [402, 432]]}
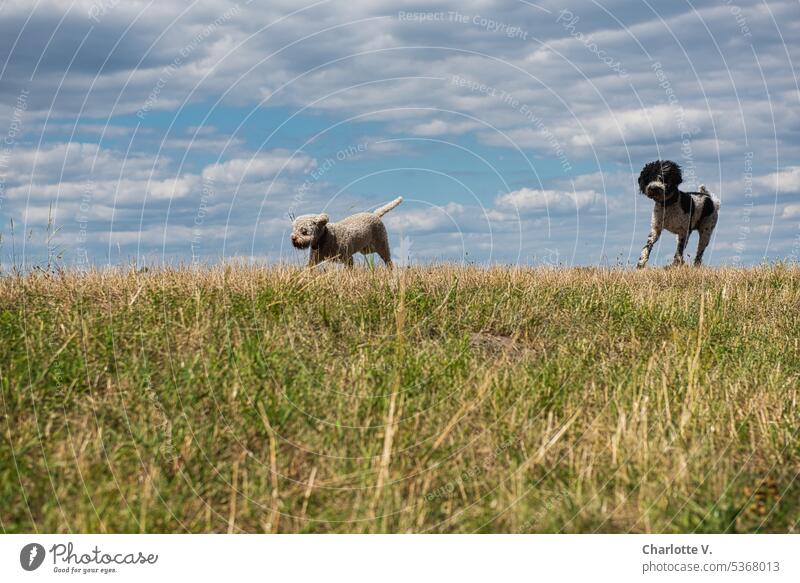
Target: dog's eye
{"points": [[304, 231]]}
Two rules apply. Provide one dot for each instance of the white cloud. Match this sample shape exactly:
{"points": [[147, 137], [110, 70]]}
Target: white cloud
{"points": [[791, 211], [786, 180], [426, 219], [527, 199], [259, 167], [438, 127]]}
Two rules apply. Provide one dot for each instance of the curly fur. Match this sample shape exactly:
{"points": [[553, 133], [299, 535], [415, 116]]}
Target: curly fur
{"points": [[676, 211], [360, 233]]}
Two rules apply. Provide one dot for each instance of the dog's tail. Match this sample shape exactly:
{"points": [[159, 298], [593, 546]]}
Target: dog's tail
{"points": [[387, 207], [709, 194]]}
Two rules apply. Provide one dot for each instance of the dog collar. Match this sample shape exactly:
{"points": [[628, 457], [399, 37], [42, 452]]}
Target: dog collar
{"points": [[671, 199]]}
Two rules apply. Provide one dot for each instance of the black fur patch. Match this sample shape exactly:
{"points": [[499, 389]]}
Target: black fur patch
{"points": [[708, 208], [687, 203]]}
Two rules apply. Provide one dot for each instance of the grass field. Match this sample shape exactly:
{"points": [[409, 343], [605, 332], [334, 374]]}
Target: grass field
{"points": [[439, 399]]}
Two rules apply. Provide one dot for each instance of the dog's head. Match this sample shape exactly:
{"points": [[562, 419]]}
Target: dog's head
{"points": [[660, 179], [307, 230]]}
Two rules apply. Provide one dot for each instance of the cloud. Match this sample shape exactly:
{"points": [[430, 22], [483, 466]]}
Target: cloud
{"points": [[259, 167], [432, 219], [438, 127], [791, 211], [71, 161], [527, 199], [786, 180]]}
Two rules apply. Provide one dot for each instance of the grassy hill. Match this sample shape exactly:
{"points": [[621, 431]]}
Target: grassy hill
{"points": [[439, 399]]}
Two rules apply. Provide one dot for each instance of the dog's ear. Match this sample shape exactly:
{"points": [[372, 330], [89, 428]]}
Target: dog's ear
{"points": [[644, 179], [322, 219], [650, 172], [672, 174]]}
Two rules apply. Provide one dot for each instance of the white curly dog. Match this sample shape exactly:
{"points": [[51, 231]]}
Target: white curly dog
{"points": [[360, 233]]}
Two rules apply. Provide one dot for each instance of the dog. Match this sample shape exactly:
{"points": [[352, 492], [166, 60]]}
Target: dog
{"points": [[360, 233], [676, 211]]}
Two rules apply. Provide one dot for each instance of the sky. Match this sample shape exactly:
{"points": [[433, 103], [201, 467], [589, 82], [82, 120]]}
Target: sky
{"points": [[177, 132]]}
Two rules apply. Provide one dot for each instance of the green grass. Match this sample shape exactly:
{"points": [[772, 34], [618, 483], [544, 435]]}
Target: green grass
{"points": [[438, 399]]}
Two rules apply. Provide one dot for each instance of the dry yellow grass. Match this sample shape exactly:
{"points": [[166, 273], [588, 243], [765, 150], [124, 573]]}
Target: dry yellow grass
{"points": [[439, 399]]}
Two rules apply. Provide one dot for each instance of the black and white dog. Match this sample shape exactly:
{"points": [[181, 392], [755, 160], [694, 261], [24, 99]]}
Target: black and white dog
{"points": [[676, 211]]}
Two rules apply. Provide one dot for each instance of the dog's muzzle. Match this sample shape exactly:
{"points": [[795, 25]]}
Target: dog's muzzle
{"points": [[655, 189], [299, 243]]}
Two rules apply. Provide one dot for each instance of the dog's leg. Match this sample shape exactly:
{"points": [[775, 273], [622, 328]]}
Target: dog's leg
{"points": [[655, 233], [348, 261], [678, 259], [382, 249], [705, 237], [314, 258]]}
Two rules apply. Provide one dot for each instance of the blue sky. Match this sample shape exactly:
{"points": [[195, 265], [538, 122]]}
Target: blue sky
{"points": [[176, 131]]}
